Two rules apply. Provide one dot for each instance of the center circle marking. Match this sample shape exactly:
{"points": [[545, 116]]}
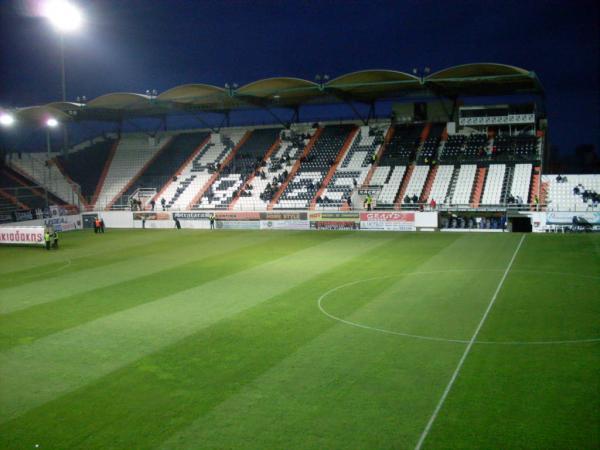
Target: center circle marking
{"points": [[439, 339]]}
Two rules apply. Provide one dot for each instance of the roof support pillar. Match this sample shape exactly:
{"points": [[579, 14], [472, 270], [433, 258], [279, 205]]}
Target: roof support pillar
{"points": [[356, 113]]}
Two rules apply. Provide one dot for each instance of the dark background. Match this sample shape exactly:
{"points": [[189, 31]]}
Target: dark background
{"points": [[134, 45]]}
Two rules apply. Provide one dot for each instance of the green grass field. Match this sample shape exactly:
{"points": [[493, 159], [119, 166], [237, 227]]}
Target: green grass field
{"points": [[281, 340]]}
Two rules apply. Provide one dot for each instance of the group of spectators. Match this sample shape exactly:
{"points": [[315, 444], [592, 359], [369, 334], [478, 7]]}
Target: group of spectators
{"points": [[136, 204], [408, 200], [98, 225], [586, 194], [514, 200]]}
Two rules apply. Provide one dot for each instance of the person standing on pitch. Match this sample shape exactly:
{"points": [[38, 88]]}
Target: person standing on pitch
{"points": [[47, 238], [102, 226], [212, 221], [97, 225], [177, 223], [54, 237]]}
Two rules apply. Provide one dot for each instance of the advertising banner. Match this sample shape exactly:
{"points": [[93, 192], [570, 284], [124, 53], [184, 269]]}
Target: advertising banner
{"points": [[335, 225], [21, 216], [191, 215], [151, 216], [573, 218], [22, 235], [231, 215], [6, 218], [284, 225], [283, 215], [387, 221], [238, 224], [65, 223], [335, 216]]}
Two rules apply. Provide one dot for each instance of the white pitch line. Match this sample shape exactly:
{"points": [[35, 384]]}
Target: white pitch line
{"points": [[466, 352]]}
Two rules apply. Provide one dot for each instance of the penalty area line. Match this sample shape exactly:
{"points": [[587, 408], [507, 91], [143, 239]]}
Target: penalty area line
{"points": [[466, 352]]}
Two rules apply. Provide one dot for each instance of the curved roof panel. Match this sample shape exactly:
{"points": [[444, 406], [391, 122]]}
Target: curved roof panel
{"points": [[280, 90], [487, 79], [119, 100], [39, 114], [373, 84], [191, 93], [372, 76], [484, 79], [66, 106], [268, 87], [478, 70]]}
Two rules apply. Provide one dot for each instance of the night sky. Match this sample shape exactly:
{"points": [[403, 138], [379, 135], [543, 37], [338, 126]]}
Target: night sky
{"points": [[134, 45]]}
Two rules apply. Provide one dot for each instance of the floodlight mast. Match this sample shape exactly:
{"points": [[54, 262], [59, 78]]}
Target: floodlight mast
{"points": [[7, 120], [51, 122], [66, 18]]}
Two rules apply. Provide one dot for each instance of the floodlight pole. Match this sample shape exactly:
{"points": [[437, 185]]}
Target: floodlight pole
{"points": [[49, 175], [63, 86], [62, 67]]}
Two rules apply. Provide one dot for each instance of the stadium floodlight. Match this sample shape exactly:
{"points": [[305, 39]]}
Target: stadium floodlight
{"points": [[6, 119], [51, 122], [63, 15]]}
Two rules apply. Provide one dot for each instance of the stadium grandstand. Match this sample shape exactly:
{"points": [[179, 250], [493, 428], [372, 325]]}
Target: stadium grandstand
{"points": [[439, 154], [378, 259]]}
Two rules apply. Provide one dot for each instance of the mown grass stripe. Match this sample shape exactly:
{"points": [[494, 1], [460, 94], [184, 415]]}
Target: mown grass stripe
{"points": [[193, 375], [70, 283], [64, 361], [25, 326]]}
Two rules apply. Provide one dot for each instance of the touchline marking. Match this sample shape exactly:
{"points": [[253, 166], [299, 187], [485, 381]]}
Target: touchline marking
{"points": [[466, 352]]}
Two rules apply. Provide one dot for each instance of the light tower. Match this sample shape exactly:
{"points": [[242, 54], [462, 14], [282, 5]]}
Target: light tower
{"points": [[66, 18]]}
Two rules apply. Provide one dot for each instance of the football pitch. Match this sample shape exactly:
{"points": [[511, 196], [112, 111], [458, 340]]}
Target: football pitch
{"points": [[165, 339]]}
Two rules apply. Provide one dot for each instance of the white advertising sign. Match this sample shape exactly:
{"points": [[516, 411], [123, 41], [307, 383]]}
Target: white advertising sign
{"points": [[284, 225], [22, 235]]}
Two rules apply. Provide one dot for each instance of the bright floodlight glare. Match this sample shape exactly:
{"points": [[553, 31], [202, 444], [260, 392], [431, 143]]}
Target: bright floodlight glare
{"points": [[6, 119], [52, 122], [63, 15]]}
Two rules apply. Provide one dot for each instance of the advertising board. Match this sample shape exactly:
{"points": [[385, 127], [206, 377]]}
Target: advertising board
{"points": [[151, 216], [238, 224], [191, 215], [231, 215], [387, 221], [65, 223], [284, 225], [335, 225], [22, 235], [334, 216], [283, 215], [571, 218]]}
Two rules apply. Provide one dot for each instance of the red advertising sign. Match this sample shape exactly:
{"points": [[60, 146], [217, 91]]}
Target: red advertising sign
{"points": [[387, 221], [408, 217]]}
